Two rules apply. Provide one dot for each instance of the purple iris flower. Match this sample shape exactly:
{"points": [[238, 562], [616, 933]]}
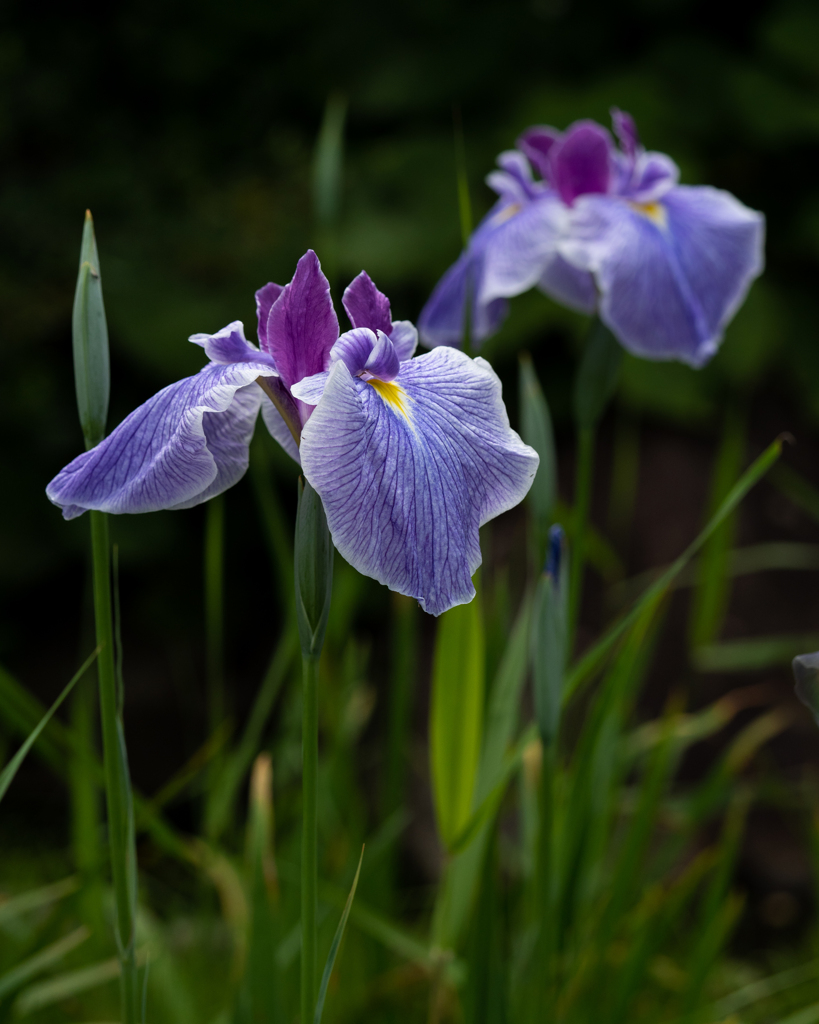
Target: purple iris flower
{"points": [[410, 456], [608, 230]]}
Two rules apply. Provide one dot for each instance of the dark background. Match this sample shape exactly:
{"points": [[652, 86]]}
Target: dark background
{"points": [[189, 130]]}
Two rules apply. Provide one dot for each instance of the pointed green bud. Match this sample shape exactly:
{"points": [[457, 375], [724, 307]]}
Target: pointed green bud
{"points": [[92, 377], [549, 637]]}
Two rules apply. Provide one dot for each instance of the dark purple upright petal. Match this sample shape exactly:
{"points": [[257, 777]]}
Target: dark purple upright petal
{"points": [[265, 297], [626, 131], [537, 143], [302, 326], [366, 306], [580, 161]]}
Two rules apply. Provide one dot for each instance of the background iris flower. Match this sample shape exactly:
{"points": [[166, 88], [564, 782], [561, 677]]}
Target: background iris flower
{"points": [[607, 230], [409, 456]]}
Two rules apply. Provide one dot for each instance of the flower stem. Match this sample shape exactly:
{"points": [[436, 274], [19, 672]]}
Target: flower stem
{"points": [[117, 780], [313, 563], [214, 620], [584, 472], [309, 842], [545, 873]]}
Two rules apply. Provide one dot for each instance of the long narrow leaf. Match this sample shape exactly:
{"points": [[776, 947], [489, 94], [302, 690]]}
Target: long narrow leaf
{"points": [[11, 769], [590, 661], [331, 956], [456, 715], [41, 961], [710, 601]]}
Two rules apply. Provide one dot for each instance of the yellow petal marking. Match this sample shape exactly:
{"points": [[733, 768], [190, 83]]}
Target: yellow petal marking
{"points": [[654, 211], [507, 213], [393, 394]]}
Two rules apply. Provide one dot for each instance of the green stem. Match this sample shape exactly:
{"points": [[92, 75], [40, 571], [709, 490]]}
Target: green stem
{"points": [[404, 645], [309, 844], [117, 781], [214, 582], [545, 870], [582, 500]]}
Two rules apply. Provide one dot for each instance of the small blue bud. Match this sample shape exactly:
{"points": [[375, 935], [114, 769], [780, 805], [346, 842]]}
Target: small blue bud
{"points": [[554, 553]]}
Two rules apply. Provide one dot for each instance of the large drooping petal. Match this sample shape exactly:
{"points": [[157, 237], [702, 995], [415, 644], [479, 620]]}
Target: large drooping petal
{"points": [[568, 285], [302, 325], [521, 247], [443, 319], [230, 346], [409, 471], [672, 273], [183, 446], [404, 337]]}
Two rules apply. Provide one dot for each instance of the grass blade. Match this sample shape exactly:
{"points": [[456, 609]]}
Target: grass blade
{"points": [[11, 769], [712, 593], [331, 956], [749, 655], [536, 431], [593, 658], [456, 715], [42, 960]]}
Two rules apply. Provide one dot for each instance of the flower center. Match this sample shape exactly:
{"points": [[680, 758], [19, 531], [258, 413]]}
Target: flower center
{"points": [[655, 212], [393, 394], [507, 213]]}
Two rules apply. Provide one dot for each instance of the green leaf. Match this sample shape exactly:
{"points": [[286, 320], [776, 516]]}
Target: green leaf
{"points": [[92, 376], [536, 430], [462, 178], [596, 376], [503, 707], [797, 488], [11, 769], [761, 989], [458, 889], [748, 655], [456, 715], [34, 899], [549, 640], [65, 986], [328, 160], [223, 791], [710, 601], [488, 807], [590, 661], [331, 956], [41, 961], [313, 555]]}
